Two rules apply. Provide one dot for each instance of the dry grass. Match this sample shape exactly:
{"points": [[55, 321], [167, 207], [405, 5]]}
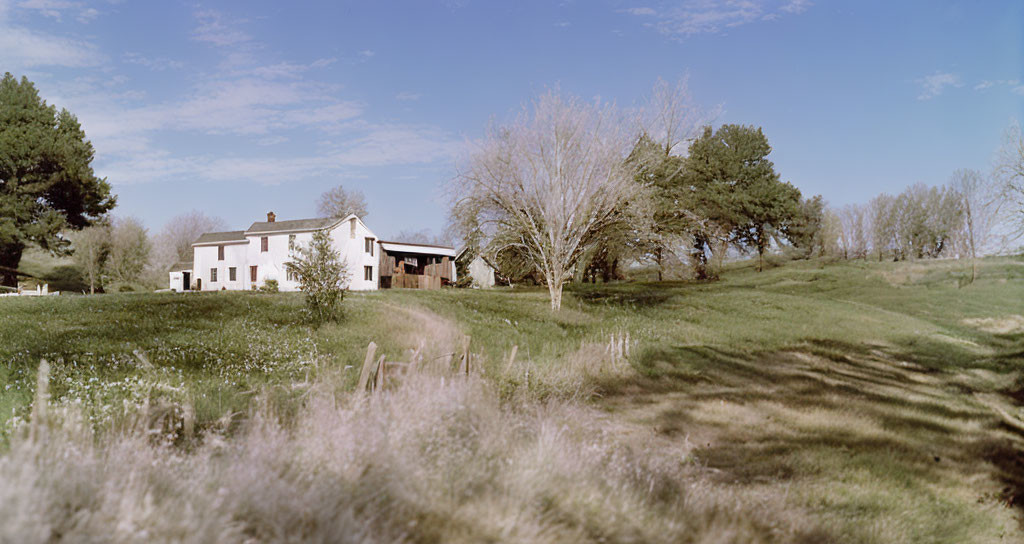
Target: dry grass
{"points": [[1011, 324], [433, 461]]}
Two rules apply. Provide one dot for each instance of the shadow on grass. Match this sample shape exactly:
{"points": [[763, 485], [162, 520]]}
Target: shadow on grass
{"points": [[898, 422], [620, 296]]}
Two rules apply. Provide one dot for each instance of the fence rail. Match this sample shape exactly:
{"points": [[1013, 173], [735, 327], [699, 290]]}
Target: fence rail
{"points": [[40, 291]]}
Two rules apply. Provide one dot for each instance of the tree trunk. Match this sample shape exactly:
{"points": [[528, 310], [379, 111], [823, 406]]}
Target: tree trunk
{"points": [[698, 257], [10, 257], [659, 257], [555, 289], [974, 264], [92, 270], [760, 259]]}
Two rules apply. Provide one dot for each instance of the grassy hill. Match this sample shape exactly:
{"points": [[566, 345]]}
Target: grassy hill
{"points": [[855, 402]]}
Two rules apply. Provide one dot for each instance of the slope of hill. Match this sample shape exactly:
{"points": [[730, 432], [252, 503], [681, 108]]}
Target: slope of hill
{"points": [[857, 402]]}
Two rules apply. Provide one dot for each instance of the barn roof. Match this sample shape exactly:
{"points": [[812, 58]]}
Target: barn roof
{"points": [[411, 247]]}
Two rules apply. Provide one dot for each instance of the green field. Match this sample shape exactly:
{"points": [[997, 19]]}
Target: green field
{"points": [[871, 402]]}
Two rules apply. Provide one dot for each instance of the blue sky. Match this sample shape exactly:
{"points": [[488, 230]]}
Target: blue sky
{"points": [[237, 108]]}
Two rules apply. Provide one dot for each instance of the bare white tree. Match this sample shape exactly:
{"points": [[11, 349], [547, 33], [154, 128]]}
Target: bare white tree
{"points": [[423, 236], [853, 234], [175, 240], [981, 201], [339, 202], [831, 233], [549, 183], [1010, 170], [129, 250], [881, 214], [671, 117], [91, 248]]}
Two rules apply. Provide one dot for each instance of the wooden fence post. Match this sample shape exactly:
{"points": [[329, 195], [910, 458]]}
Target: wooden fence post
{"points": [[379, 380], [364, 374], [611, 348], [417, 355], [464, 367]]}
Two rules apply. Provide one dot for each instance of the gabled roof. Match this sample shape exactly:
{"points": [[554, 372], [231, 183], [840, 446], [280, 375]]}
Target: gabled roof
{"points": [[220, 237], [315, 223]]}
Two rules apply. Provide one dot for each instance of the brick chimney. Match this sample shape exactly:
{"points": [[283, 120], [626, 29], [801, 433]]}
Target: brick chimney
{"points": [[271, 217]]}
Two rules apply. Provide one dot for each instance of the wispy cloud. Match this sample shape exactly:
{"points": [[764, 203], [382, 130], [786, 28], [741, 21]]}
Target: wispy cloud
{"points": [[153, 63], [264, 102], [1012, 84], [797, 6], [252, 97], [376, 145], [56, 9], [693, 17], [23, 48], [220, 30], [935, 84]]}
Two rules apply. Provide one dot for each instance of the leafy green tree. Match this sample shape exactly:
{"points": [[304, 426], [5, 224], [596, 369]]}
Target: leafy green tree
{"points": [[323, 276], [735, 190], [768, 205], [806, 230], [47, 184], [659, 173]]}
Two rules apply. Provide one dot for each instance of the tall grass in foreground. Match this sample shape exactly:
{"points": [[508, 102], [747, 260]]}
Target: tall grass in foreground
{"points": [[432, 461]]}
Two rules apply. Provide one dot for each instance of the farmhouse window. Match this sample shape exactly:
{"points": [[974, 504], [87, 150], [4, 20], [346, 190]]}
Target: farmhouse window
{"points": [[291, 242], [369, 246], [220, 253], [232, 273], [264, 244], [213, 275], [368, 273], [252, 274]]}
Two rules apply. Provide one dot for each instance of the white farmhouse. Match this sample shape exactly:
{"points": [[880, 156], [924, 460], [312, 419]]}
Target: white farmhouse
{"points": [[246, 259]]}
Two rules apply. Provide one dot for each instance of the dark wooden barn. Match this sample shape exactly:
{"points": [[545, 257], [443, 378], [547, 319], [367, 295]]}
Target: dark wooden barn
{"points": [[416, 266]]}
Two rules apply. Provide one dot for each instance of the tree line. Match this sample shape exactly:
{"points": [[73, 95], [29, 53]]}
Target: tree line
{"points": [[574, 191], [972, 215]]}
